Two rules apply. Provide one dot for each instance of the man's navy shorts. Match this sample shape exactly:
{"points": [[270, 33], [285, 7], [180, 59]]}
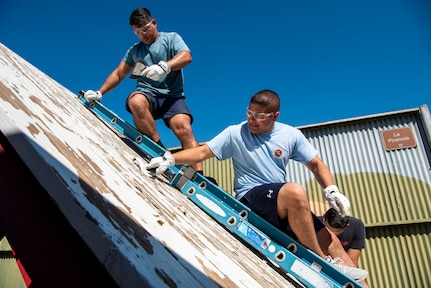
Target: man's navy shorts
{"points": [[263, 201], [164, 107]]}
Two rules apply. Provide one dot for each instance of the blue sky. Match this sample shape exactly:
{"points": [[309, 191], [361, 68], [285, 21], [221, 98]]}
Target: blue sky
{"points": [[328, 60]]}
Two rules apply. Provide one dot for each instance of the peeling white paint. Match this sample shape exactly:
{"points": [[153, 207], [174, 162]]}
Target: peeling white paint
{"points": [[132, 209]]}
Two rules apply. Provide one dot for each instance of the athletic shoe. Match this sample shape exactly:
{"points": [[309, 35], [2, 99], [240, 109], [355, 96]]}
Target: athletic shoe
{"points": [[352, 272]]}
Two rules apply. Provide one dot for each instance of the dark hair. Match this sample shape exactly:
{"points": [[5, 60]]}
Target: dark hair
{"points": [[335, 220], [140, 16], [266, 98]]}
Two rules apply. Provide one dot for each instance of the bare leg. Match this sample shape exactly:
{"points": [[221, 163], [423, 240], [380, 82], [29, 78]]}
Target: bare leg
{"points": [[142, 117], [331, 245], [180, 125], [292, 202]]}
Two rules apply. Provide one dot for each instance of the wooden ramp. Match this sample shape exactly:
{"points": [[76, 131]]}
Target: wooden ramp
{"points": [[144, 232]]}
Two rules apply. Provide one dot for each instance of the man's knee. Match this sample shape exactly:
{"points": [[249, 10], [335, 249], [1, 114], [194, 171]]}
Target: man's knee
{"points": [[138, 100], [180, 124], [294, 192]]}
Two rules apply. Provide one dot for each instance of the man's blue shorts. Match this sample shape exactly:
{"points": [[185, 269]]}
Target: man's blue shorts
{"points": [[164, 107], [263, 201]]}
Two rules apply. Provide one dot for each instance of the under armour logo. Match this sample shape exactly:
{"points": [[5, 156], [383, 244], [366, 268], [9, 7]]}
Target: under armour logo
{"points": [[269, 195]]}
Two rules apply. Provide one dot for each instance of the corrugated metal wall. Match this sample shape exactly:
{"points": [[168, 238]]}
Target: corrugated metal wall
{"points": [[222, 171], [389, 190], [10, 276], [398, 256]]}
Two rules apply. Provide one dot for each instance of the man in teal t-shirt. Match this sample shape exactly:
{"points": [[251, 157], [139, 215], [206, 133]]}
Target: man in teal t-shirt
{"points": [[156, 62]]}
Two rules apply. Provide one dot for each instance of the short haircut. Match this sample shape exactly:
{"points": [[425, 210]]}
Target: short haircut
{"points": [[335, 219], [266, 98], [140, 16]]}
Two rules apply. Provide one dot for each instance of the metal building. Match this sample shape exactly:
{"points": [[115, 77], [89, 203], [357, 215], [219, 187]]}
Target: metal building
{"points": [[9, 268]]}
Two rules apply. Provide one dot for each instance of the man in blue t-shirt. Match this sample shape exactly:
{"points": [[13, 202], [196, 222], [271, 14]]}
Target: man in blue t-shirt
{"points": [[350, 231], [156, 62], [260, 149]]}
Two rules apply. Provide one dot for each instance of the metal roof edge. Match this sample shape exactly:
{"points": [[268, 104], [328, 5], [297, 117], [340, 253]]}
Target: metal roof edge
{"points": [[361, 118]]}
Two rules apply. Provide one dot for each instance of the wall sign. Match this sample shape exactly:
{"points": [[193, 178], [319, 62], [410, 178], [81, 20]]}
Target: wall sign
{"points": [[400, 138]]}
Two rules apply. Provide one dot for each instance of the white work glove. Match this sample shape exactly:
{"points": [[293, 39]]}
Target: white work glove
{"points": [[138, 70], [161, 164], [337, 200], [156, 72], [91, 96]]}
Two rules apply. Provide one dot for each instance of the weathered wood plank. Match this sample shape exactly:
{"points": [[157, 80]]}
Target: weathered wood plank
{"points": [[145, 232]]}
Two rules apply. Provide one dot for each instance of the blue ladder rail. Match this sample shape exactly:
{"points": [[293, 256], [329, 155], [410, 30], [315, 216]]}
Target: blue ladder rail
{"points": [[283, 251]]}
